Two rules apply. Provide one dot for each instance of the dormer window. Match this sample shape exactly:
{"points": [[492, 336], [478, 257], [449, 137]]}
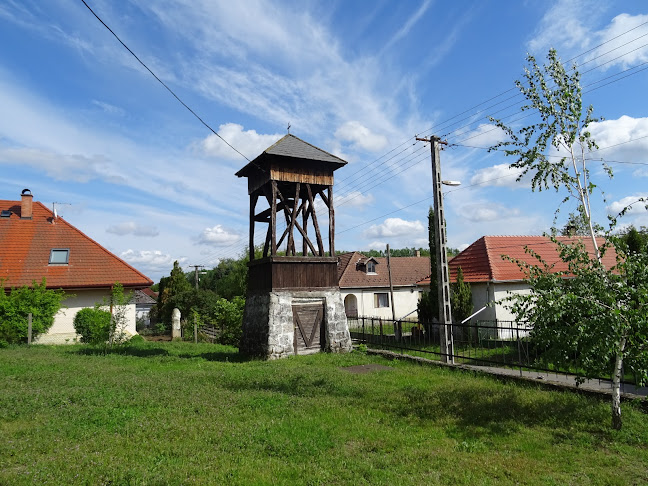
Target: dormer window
{"points": [[371, 266], [59, 256]]}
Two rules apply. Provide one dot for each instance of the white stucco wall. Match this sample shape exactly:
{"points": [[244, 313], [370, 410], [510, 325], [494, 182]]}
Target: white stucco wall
{"points": [[405, 300], [62, 331]]}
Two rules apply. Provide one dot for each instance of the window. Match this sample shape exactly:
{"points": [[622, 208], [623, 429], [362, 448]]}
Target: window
{"points": [[59, 256], [381, 299], [371, 267]]}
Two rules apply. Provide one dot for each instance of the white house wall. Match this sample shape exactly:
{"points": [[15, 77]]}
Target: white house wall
{"points": [[405, 299], [62, 331]]}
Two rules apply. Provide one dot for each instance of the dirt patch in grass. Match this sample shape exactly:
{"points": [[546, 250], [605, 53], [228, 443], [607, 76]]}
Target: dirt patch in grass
{"points": [[366, 368]]}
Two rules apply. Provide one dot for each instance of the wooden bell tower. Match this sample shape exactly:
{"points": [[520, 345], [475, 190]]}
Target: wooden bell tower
{"points": [[295, 181]]}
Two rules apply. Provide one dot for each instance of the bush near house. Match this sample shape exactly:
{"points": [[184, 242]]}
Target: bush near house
{"points": [[93, 325], [18, 303]]}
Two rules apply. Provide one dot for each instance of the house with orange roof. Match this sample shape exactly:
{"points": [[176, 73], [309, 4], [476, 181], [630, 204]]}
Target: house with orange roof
{"points": [[364, 284], [35, 243], [493, 277]]}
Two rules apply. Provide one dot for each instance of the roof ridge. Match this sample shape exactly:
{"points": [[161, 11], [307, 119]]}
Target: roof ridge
{"points": [[346, 269], [110, 254], [491, 270]]}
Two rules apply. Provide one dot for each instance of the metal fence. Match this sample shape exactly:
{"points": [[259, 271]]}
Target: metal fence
{"points": [[506, 344]]}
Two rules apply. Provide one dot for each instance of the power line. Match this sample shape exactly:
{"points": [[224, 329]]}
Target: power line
{"points": [[162, 82]]}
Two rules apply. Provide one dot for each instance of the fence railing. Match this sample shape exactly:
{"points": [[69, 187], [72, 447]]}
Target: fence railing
{"points": [[506, 344]]}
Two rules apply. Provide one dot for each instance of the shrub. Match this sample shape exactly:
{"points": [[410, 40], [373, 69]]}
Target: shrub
{"points": [[16, 305], [136, 339], [93, 325]]}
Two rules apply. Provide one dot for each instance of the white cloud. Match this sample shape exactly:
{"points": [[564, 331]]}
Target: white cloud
{"points": [[355, 199], [407, 26], [485, 135], [132, 228], [500, 175], [395, 227], [621, 49], [153, 260], [356, 133], [248, 142], [70, 167], [564, 25], [565, 28], [616, 133], [217, 236], [108, 108], [487, 212], [638, 208]]}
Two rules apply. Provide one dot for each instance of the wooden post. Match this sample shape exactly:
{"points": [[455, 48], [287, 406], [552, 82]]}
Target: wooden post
{"points": [[391, 296], [195, 330], [331, 222], [253, 200], [29, 328], [318, 235], [273, 220], [305, 228]]}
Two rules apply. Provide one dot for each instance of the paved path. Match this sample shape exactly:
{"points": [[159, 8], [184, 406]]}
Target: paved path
{"points": [[552, 379], [567, 381]]}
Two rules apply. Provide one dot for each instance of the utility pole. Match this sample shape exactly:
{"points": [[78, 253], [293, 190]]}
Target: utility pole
{"points": [[196, 267], [391, 297], [443, 276]]}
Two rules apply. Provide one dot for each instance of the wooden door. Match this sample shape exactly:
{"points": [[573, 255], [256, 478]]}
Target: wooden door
{"points": [[308, 320]]}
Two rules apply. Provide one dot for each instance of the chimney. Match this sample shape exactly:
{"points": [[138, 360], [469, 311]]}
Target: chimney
{"points": [[26, 204], [418, 253]]}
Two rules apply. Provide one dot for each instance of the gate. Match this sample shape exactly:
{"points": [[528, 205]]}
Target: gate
{"points": [[308, 320]]}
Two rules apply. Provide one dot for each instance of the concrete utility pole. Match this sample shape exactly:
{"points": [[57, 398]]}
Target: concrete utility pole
{"points": [[443, 275], [196, 267]]}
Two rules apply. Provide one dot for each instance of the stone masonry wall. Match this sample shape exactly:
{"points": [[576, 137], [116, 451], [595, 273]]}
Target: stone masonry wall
{"points": [[268, 328]]}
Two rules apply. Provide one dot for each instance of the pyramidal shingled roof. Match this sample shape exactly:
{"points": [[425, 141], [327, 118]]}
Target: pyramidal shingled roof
{"points": [[25, 246], [293, 147]]}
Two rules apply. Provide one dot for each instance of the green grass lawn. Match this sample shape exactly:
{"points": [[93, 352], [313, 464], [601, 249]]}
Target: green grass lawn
{"points": [[179, 413]]}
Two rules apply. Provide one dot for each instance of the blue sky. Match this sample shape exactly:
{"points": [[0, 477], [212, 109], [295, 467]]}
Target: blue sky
{"points": [[83, 123]]}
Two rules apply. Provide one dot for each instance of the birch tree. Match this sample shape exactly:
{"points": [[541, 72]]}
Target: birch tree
{"points": [[590, 317]]}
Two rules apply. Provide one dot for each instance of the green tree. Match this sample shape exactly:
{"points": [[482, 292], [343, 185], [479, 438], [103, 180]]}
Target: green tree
{"points": [[461, 298], [635, 240], [562, 127], [174, 291], [18, 303], [118, 302], [577, 225], [93, 325], [595, 319], [428, 305]]}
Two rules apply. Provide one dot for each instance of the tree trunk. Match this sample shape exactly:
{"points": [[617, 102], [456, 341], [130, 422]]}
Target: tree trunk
{"points": [[616, 387]]}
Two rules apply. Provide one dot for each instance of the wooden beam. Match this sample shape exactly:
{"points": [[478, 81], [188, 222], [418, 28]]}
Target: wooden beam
{"points": [[331, 221], [307, 241], [293, 216], [304, 231], [323, 196], [318, 235], [266, 245], [273, 219], [253, 200]]}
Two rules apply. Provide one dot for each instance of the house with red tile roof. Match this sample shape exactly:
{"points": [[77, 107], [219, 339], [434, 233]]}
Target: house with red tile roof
{"points": [[492, 277], [35, 243], [364, 284]]}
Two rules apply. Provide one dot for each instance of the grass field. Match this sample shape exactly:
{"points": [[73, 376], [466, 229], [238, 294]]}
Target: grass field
{"points": [[179, 413]]}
